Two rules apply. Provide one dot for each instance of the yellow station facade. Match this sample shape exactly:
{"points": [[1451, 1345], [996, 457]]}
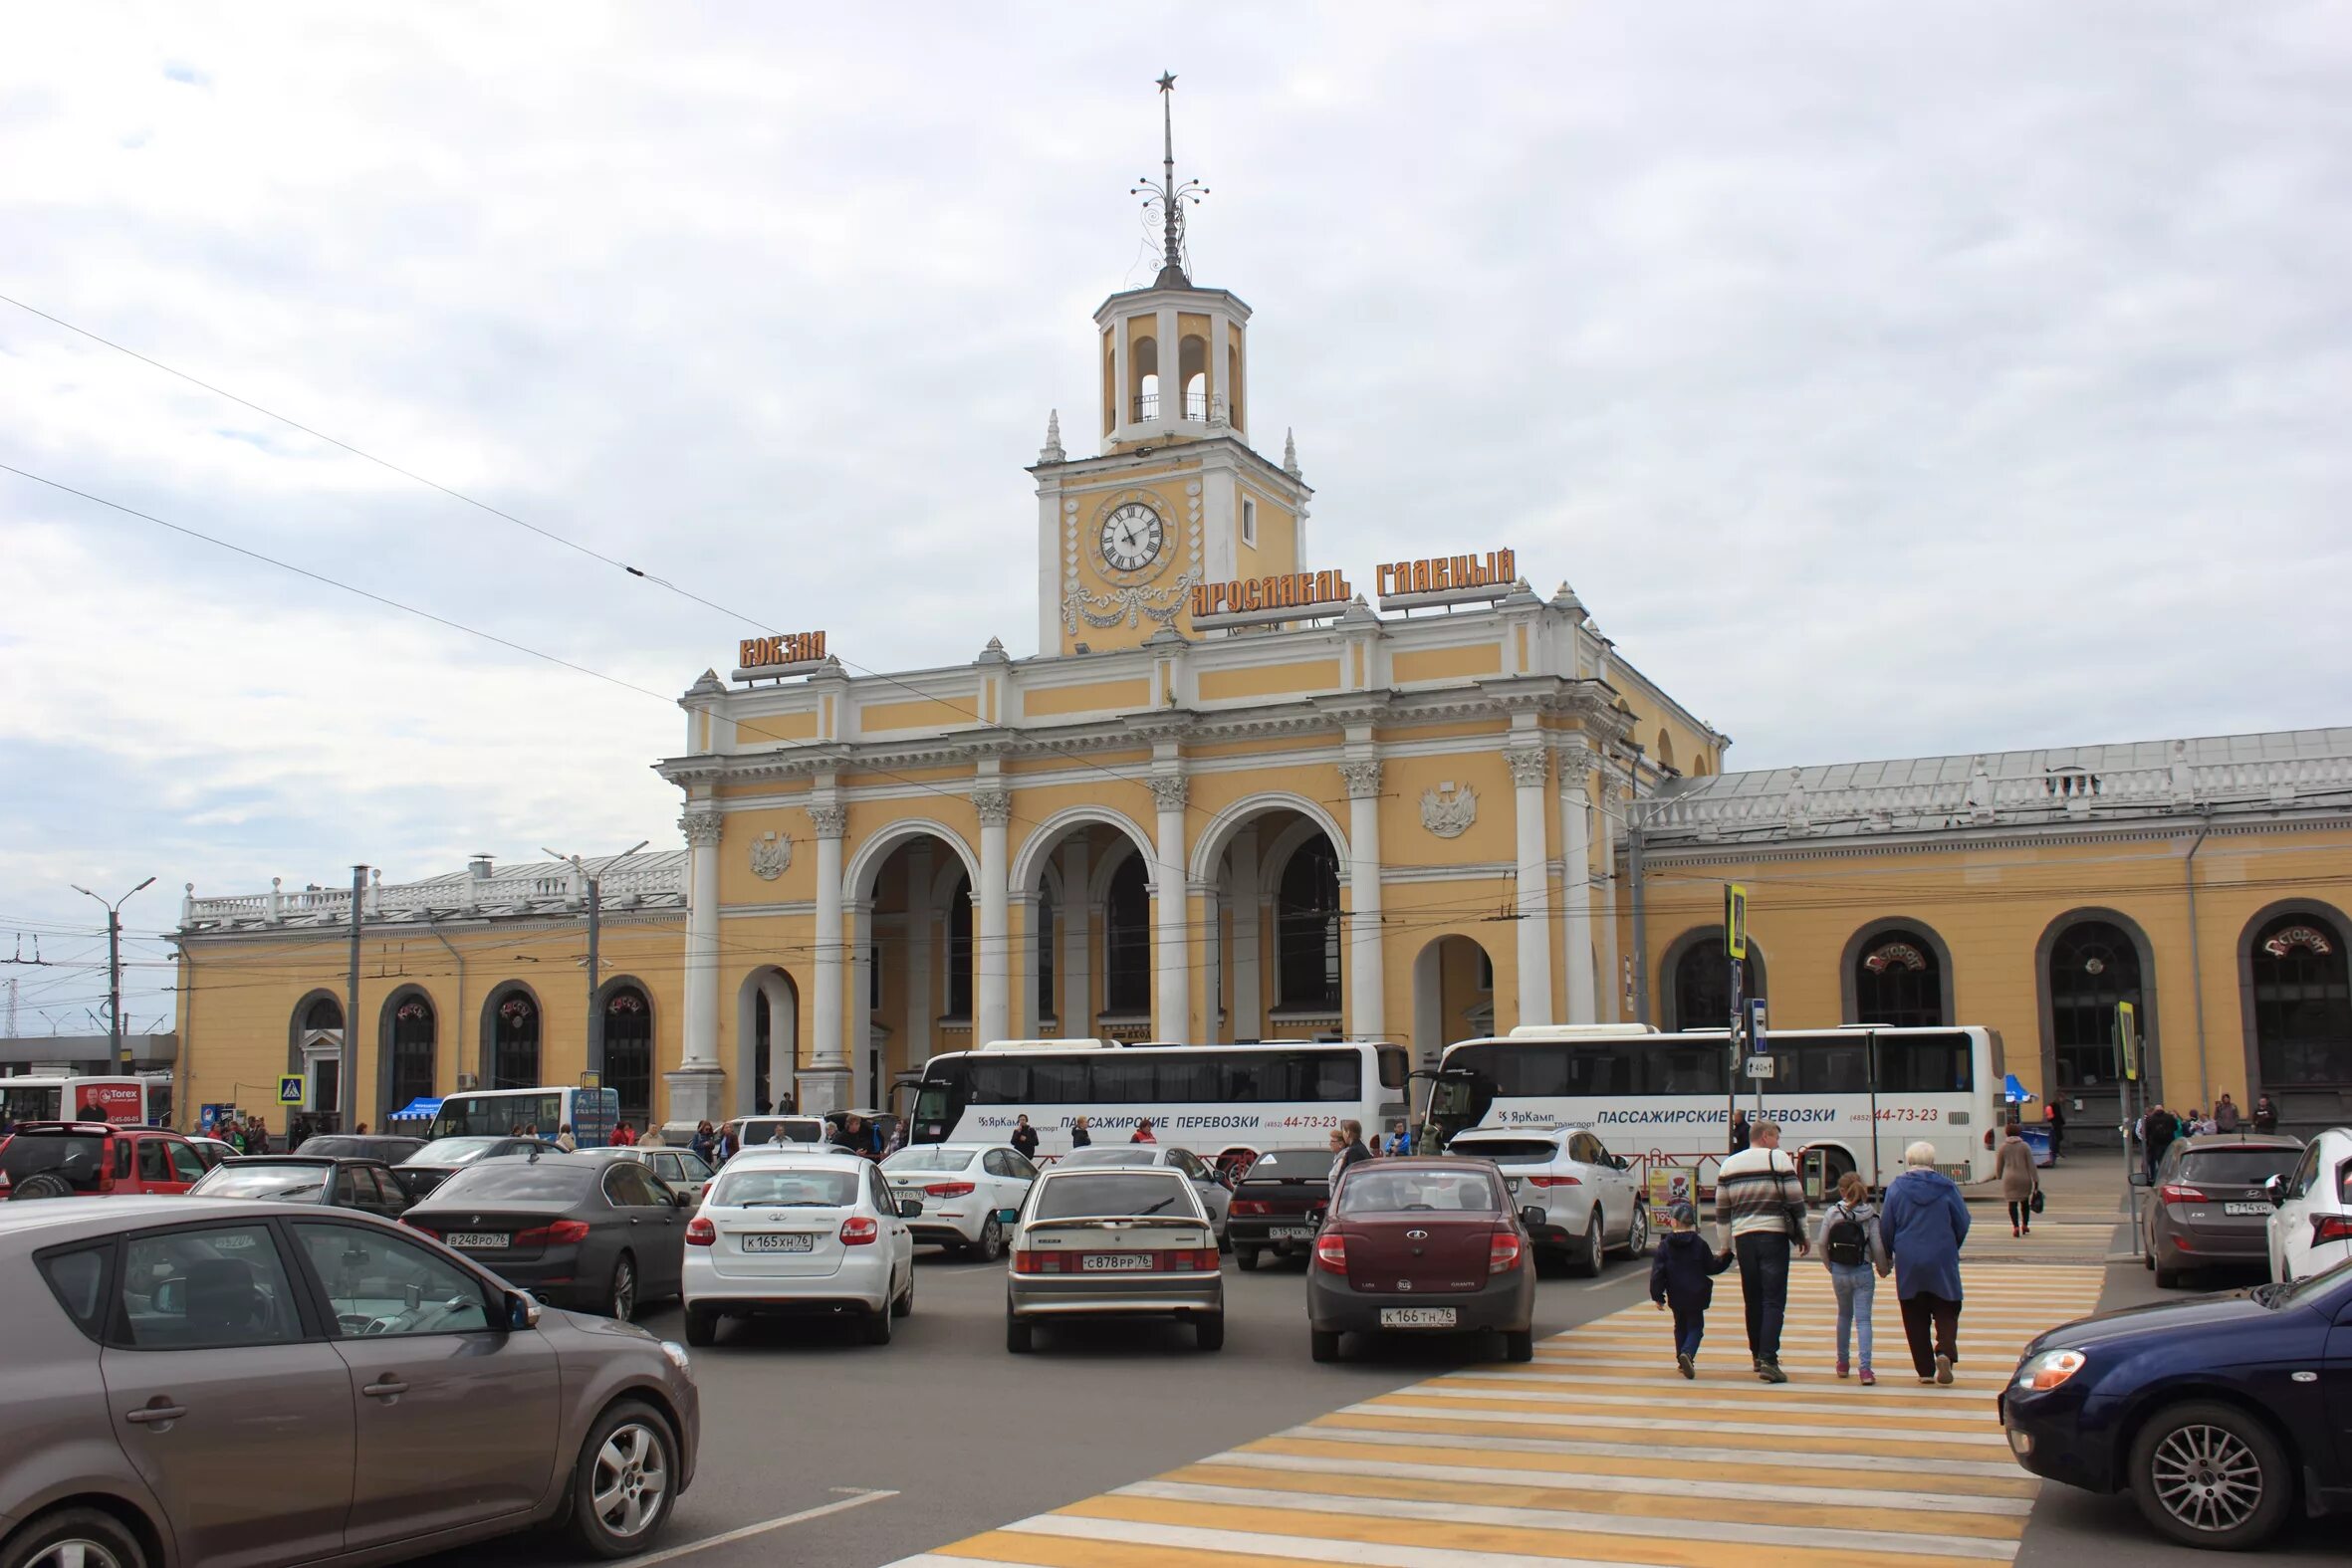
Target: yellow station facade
{"points": [[1249, 787]]}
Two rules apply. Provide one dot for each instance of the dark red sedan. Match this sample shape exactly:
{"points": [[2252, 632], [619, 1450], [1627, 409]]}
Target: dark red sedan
{"points": [[1420, 1246]]}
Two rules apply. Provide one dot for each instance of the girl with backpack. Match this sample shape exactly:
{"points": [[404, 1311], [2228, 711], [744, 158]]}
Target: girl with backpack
{"points": [[1856, 1255]]}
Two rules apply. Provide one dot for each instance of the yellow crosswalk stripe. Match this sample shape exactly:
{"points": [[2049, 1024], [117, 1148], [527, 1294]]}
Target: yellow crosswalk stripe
{"points": [[1601, 1455]]}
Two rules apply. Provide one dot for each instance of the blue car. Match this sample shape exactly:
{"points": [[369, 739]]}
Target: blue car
{"points": [[2220, 1415]]}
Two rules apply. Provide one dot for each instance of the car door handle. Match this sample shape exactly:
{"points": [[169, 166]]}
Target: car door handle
{"points": [[387, 1388], [151, 1412]]}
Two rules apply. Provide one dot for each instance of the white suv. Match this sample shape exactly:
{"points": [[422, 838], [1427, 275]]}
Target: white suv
{"points": [[2311, 1228], [1590, 1199]]}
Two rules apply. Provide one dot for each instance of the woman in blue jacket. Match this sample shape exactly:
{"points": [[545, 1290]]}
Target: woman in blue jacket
{"points": [[1924, 1219]]}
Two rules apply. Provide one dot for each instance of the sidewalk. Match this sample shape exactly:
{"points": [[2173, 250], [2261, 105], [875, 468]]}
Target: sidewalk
{"points": [[2083, 1206]]}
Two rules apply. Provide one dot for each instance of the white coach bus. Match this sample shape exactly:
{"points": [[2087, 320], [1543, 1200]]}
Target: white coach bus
{"points": [[1274, 1095], [1667, 1098]]}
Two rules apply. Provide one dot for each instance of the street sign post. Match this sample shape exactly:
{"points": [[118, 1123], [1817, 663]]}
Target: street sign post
{"points": [[1734, 919], [289, 1090], [2127, 1054]]}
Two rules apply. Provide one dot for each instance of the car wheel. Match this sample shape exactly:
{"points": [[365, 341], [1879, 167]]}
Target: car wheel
{"points": [[2209, 1474], [702, 1328], [624, 1484], [2146, 1260], [879, 1324], [1020, 1337], [1588, 1259], [992, 1240], [1324, 1344], [43, 1184], [620, 1302], [1637, 1233], [906, 1298], [1519, 1344], [1247, 1257], [2167, 1278], [1208, 1332], [74, 1539]]}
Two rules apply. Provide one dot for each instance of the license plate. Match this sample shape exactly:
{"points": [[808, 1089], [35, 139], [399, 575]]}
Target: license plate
{"points": [[1416, 1317], [1291, 1233], [788, 1241], [481, 1239], [2246, 1209], [1114, 1262]]}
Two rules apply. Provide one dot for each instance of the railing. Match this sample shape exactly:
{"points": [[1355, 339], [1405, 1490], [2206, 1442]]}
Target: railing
{"points": [[455, 894], [1194, 406]]}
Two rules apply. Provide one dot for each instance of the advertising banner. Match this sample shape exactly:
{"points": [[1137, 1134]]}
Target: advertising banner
{"points": [[1670, 1184], [108, 1102]]}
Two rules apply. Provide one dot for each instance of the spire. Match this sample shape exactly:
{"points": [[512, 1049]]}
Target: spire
{"points": [[1291, 453], [1170, 195], [1051, 451]]}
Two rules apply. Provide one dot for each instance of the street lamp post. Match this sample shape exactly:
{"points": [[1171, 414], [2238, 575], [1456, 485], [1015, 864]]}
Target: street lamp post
{"points": [[594, 1040], [113, 964]]}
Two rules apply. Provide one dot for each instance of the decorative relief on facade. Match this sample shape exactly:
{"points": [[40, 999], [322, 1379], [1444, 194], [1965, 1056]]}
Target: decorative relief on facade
{"points": [[1896, 955], [1362, 778], [1171, 791], [829, 821], [1527, 768], [1448, 812], [771, 857], [994, 806], [702, 829], [1131, 605]]}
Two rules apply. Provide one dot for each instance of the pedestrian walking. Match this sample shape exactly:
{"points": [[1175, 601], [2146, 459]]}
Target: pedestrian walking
{"points": [[1857, 1260], [364, 1125], [1348, 1148], [654, 1137], [2225, 1114], [2018, 1180], [1760, 1211], [2158, 1129], [2057, 1113], [1739, 1132], [2265, 1114], [564, 1139], [624, 1136], [1080, 1136], [1682, 1280], [1024, 1138], [1922, 1221], [1142, 1132], [705, 1141]]}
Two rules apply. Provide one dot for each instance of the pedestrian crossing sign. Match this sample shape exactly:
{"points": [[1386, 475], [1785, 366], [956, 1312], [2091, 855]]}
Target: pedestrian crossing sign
{"points": [[1734, 919], [2127, 1040], [290, 1088]]}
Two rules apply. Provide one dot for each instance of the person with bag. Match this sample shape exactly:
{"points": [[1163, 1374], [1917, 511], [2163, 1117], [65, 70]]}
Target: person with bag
{"points": [[1924, 1222], [1760, 1211], [2021, 1184], [1856, 1258]]}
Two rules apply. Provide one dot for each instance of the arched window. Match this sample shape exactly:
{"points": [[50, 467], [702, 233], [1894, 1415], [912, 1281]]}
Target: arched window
{"points": [[2095, 963], [513, 1043], [414, 1036], [1126, 941], [2302, 1003], [324, 1014], [1047, 1006], [1703, 984], [629, 1050], [1306, 929], [1143, 370], [959, 949], [1899, 982]]}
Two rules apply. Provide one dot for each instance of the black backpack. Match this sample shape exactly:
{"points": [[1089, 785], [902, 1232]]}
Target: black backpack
{"points": [[1848, 1241]]}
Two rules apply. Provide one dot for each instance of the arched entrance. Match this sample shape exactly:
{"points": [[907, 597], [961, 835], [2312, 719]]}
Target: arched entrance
{"points": [[767, 1042], [1898, 974], [1453, 995], [1081, 897], [410, 1035], [1281, 954], [2297, 989], [314, 1050], [2089, 961], [510, 1037], [628, 1049], [912, 961]]}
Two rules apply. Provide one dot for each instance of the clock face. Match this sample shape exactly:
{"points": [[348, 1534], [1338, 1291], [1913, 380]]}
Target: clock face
{"points": [[1132, 537]]}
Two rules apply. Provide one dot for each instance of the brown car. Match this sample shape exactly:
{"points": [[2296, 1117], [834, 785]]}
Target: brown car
{"points": [[186, 1381]]}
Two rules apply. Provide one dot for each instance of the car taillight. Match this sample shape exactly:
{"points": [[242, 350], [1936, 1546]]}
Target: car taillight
{"points": [[950, 1190], [1331, 1253], [701, 1232], [1555, 1181], [1503, 1253], [416, 1223], [1036, 1262], [1187, 1260], [1251, 1206], [859, 1231], [2330, 1227], [2176, 1193], [557, 1234]]}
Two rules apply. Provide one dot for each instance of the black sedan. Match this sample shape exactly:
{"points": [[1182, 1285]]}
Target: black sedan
{"points": [[1277, 1203], [599, 1236], [366, 1184], [2220, 1415], [443, 1158]]}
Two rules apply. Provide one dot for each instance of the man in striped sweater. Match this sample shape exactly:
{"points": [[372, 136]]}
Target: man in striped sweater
{"points": [[1760, 1213]]}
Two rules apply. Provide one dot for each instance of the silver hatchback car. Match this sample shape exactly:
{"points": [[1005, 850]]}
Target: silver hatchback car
{"points": [[188, 1381]]}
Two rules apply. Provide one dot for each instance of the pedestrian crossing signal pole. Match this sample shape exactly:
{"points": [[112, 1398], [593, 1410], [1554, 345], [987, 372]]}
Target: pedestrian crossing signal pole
{"points": [[2127, 1055], [1734, 939]]}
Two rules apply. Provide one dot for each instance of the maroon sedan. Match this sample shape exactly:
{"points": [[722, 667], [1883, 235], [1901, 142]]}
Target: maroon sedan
{"points": [[1422, 1246]]}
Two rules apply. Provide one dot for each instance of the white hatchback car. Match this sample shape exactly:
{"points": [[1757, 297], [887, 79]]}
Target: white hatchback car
{"points": [[2311, 1228], [966, 1190], [812, 1234], [1589, 1197]]}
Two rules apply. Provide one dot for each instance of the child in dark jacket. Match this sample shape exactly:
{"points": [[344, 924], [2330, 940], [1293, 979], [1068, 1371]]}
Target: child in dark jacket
{"points": [[1681, 1277]]}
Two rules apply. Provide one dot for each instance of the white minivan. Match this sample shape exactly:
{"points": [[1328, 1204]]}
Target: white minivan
{"points": [[808, 1233], [2311, 1227]]}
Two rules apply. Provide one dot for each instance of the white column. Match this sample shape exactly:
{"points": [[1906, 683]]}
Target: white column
{"points": [[1171, 378], [784, 1038], [1123, 405], [825, 1084], [1535, 887], [1577, 931], [920, 1041], [1171, 982], [697, 1088], [1612, 978], [1367, 1004], [991, 934], [1248, 973], [1073, 913], [857, 921]]}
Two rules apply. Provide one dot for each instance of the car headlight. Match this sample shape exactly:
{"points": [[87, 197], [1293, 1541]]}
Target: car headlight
{"points": [[677, 1354], [2050, 1369]]}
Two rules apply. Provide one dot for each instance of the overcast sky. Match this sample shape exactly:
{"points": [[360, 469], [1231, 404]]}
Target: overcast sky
{"points": [[1887, 379]]}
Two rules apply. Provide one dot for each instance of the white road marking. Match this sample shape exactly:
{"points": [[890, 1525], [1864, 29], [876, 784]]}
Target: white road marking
{"points": [[858, 1499], [1299, 1548], [1859, 1456], [1422, 1406]]}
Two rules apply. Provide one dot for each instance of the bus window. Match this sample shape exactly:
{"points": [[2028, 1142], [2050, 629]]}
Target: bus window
{"points": [[1181, 1080], [1123, 1082], [1058, 1082], [1396, 1066], [1925, 1064], [1673, 1068], [1333, 1075], [998, 1083]]}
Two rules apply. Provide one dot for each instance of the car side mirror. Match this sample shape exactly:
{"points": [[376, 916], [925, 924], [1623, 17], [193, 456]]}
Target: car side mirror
{"points": [[681, 1200], [2274, 1189], [1318, 1213], [1618, 1161], [520, 1312], [171, 1298], [1533, 1217], [910, 1208]]}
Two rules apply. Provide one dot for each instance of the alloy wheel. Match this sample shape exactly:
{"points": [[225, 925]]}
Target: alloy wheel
{"points": [[2206, 1478], [631, 1479], [79, 1552], [992, 1240], [624, 1290], [1637, 1235]]}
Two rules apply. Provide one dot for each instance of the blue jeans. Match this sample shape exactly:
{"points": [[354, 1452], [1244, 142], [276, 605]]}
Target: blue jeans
{"points": [[1856, 1286], [1764, 1287], [1689, 1326]]}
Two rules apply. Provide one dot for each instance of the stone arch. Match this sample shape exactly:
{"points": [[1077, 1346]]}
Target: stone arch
{"points": [[601, 1021], [487, 1040], [1037, 849], [296, 1024], [1434, 1017], [391, 1092], [2250, 1024], [1275, 858], [857, 880], [2150, 1037], [784, 1021], [1848, 983], [1217, 837], [1670, 970]]}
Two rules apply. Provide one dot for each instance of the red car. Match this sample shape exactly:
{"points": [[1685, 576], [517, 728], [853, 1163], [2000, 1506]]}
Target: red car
{"points": [[96, 1159], [1420, 1246]]}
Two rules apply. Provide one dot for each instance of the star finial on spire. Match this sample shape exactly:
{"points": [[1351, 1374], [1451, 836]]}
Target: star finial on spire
{"points": [[1170, 195], [1290, 454], [1167, 82]]}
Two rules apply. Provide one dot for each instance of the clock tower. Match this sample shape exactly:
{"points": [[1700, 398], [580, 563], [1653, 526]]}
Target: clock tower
{"points": [[1177, 496]]}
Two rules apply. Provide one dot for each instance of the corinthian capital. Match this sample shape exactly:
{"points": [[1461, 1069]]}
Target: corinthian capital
{"points": [[1171, 791], [702, 829], [1362, 778], [1527, 767], [994, 806], [829, 821]]}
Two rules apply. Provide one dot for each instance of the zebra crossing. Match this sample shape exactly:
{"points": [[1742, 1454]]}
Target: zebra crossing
{"points": [[1599, 1453]]}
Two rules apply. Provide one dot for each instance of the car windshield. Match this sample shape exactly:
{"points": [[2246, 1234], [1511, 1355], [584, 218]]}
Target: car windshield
{"points": [[786, 1187], [28, 1152], [1131, 1155], [2236, 1167], [1404, 1191], [291, 1181], [1289, 1164], [1506, 1151], [509, 1178], [452, 1151], [931, 1157], [1106, 1197], [759, 1130]]}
